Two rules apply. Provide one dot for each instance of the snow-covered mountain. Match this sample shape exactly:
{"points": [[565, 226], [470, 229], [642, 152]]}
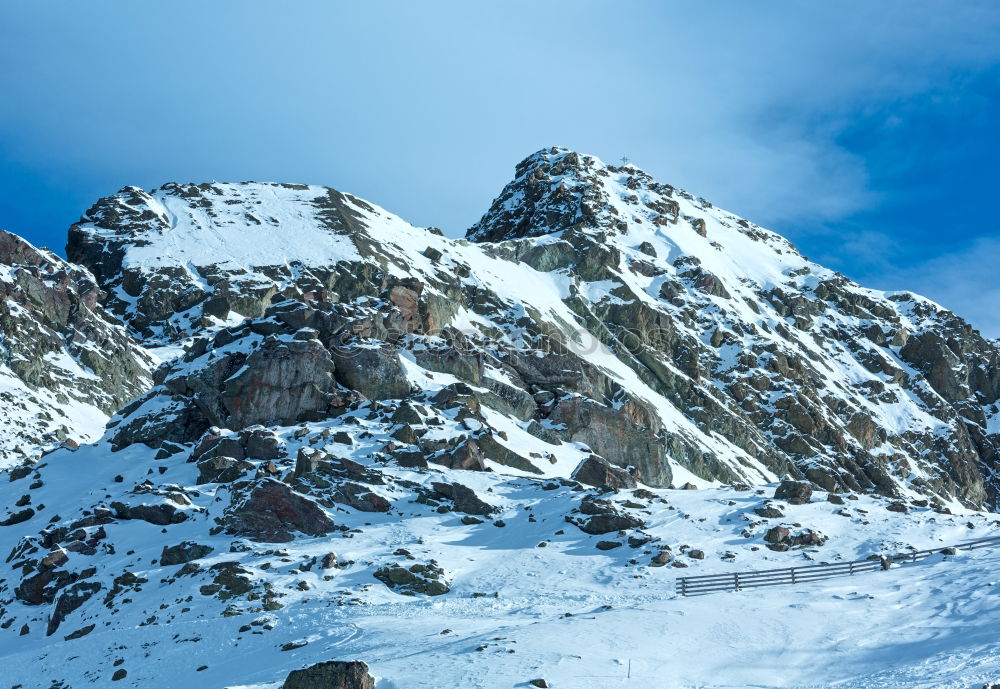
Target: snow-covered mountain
{"points": [[602, 307], [456, 459], [65, 365]]}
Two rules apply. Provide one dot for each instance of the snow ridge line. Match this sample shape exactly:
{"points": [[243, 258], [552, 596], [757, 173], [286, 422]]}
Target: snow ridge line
{"points": [[736, 581]]}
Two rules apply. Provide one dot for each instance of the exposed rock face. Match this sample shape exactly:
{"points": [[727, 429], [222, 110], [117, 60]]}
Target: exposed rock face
{"points": [[334, 674], [594, 306], [65, 365], [613, 223], [69, 600], [375, 372], [277, 382], [236, 380]]}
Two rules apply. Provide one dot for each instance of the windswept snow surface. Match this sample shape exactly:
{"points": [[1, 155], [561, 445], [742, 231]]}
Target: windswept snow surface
{"points": [[576, 616], [249, 225]]}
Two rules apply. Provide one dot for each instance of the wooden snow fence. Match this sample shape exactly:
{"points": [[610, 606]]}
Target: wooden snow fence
{"points": [[735, 581]]}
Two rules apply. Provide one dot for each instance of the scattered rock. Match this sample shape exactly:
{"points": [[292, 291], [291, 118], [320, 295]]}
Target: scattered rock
{"points": [[417, 578], [769, 512]]}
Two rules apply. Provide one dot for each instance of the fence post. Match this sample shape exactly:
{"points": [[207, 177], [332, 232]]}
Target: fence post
{"points": [[736, 581], [792, 570], [684, 586], [850, 568]]}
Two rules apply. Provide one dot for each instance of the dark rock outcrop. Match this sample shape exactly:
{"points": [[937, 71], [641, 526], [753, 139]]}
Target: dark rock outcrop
{"points": [[271, 512], [183, 552], [333, 674], [596, 471], [427, 579], [794, 492], [464, 498], [69, 600]]}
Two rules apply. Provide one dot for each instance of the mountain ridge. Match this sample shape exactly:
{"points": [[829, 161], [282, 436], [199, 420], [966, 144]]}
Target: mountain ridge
{"points": [[614, 247]]}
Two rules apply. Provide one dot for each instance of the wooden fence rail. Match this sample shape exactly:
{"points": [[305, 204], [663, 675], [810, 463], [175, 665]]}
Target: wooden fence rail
{"points": [[734, 581]]}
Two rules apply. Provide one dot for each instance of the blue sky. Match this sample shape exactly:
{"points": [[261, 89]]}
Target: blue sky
{"points": [[865, 132]]}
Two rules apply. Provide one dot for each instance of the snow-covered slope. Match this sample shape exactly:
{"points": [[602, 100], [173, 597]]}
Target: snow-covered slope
{"points": [[65, 366], [529, 594]]}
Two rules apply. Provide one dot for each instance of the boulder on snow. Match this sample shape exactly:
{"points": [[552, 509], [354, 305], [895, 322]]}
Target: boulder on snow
{"points": [[333, 674], [221, 469], [417, 578], [183, 552], [602, 518], [776, 534], [160, 514], [794, 492], [660, 559], [465, 498], [769, 512], [782, 538], [599, 472], [261, 443], [272, 511], [466, 455]]}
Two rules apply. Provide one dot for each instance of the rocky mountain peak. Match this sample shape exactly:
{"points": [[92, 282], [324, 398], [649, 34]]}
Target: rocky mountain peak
{"points": [[160, 253], [557, 189], [597, 309]]}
